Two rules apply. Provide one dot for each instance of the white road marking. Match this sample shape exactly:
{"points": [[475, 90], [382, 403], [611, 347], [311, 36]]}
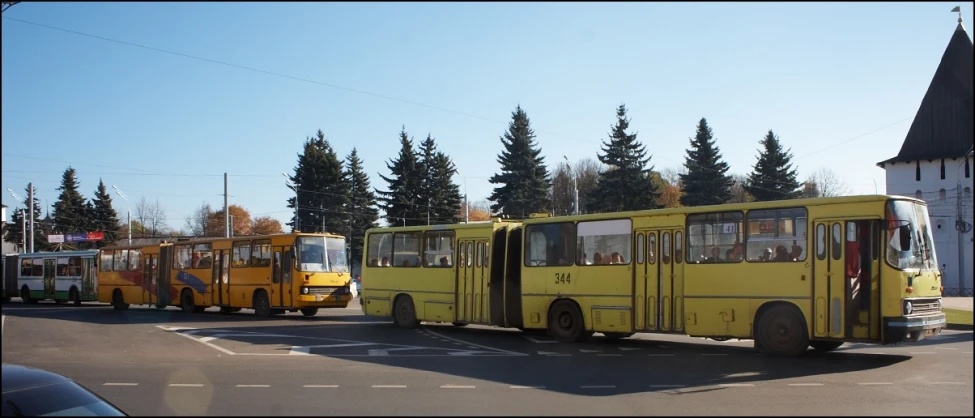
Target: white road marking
{"points": [[498, 350], [536, 340], [609, 355], [736, 385], [597, 387], [321, 386], [874, 383], [526, 387], [253, 386], [306, 349], [946, 383], [385, 351], [946, 348], [186, 385], [967, 352], [553, 354], [388, 386], [121, 384], [457, 387], [805, 384], [630, 348], [209, 344], [588, 351], [666, 386]]}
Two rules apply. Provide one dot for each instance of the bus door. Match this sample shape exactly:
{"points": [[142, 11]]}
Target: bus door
{"points": [[148, 278], [287, 265], [481, 281], [88, 279], [829, 280], [49, 274], [465, 280], [219, 277], [646, 279], [276, 282], [164, 269]]}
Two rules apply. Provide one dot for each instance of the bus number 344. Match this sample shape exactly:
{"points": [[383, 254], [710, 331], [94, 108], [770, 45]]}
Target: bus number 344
{"points": [[563, 278]]}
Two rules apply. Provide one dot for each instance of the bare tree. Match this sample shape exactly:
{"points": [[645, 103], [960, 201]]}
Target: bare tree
{"points": [[738, 192], [196, 223], [561, 191], [587, 175], [825, 183], [151, 216]]}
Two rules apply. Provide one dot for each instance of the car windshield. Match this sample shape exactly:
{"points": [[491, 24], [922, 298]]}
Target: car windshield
{"points": [[322, 254], [61, 399], [910, 244]]}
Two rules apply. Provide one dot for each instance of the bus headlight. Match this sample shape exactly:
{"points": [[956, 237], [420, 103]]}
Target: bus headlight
{"points": [[304, 290], [908, 308], [940, 305]]}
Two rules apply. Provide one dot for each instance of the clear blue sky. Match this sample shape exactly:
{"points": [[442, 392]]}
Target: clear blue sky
{"points": [[818, 74]]}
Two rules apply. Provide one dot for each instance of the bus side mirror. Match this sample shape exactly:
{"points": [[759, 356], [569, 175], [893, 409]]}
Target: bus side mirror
{"points": [[905, 237]]}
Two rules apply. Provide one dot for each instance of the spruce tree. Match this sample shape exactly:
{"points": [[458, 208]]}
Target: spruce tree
{"points": [[103, 215], [323, 191], [362, 205], [523, 178], [15, 233], [449, 201], [401, 202], [428, 190], [706, 181], [773, 177], [626, 184], [69, 214]]}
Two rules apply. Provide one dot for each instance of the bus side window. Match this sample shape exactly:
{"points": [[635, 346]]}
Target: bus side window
{"points": [[821, 241]]}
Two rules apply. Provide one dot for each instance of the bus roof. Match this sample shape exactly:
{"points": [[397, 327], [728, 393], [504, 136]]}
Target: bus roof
{"points": [[440, 227], [80, 253], [204, 240]]}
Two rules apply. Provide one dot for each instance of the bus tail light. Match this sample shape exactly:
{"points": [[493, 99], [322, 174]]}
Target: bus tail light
{"points": [[909, 289]]}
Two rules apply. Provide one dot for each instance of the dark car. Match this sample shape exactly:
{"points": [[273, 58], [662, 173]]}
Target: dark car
{"points": [[30, 392]]}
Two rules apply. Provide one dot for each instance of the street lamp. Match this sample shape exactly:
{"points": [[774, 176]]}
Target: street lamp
{"points": [[467, 205], [294, 187], [23, 224], [128, 212], [575, 188]]}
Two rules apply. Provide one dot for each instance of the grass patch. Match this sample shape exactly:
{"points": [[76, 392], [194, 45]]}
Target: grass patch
{"points": [[958, 316]]}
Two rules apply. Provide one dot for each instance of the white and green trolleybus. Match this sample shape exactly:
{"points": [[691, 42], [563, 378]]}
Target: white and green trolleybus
{"points": [[63, 276]]}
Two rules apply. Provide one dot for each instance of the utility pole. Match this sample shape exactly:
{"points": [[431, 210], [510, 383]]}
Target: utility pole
{"points": [[128, 212], [30, 202], [23, 231], [226, 209]]}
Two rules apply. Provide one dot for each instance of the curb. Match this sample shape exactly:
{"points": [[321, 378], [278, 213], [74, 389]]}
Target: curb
{"points": [[959, 327]]}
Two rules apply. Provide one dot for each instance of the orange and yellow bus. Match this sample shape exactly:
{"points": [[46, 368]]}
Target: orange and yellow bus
{"points": [[788, 274], [269, 273]]}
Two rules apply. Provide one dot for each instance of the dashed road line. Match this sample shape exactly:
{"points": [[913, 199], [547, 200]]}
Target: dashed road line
{"points": [[497, 350], [805, 384], [321, 386], [186, 385], [120, 384], [553, 354], [252, 386], [967, 352], [946, 383], [457, 387], [946, 348], [388, 386]]}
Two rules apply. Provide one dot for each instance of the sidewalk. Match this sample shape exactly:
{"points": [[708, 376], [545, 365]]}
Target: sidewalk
{"points": [[964, 304]]}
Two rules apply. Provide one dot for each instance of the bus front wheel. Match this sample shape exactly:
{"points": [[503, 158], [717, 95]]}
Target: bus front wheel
{"points": [[825, 346], [262, 307], [25, 295], [309, 312], [118, 302], [404, 315], [782, 332], [75, 296], [186, 302]]}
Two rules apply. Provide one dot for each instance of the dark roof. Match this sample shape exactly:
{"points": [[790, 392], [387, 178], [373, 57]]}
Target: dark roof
{"points": [[942, 127], [16, 377]]}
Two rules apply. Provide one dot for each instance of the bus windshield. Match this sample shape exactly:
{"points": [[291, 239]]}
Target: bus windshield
{"points": [[910, 244], [322, 254]]}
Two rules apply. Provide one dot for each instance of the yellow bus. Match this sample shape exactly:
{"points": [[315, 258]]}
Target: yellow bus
{"points": [[788, 274], [268, 273]]}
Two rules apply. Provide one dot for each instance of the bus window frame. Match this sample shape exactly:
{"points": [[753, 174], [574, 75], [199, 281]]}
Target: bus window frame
{"points": [[563, 233]]}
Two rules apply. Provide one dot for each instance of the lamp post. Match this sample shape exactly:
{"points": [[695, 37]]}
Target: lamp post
{"points": [[467, 205], [23, 225], [128, 211], [294, 187]]}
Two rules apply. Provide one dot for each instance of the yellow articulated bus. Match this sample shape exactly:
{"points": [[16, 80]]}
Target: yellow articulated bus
{"points": [[269, 273], [788, 274]]}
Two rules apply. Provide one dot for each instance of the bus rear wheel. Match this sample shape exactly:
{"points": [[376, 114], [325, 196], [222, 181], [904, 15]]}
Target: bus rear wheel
{"points": [[782, 332], [404, 313], [565, 323], [25, 295], [309, 312], [186, 301], [825, 346], [118, 302], [75, 296]]}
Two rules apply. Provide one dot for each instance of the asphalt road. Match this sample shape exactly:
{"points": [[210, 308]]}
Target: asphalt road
{"points": [[162, 362]]}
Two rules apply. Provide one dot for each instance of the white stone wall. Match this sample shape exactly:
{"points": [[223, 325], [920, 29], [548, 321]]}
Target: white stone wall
{"points": [[943, 210]]}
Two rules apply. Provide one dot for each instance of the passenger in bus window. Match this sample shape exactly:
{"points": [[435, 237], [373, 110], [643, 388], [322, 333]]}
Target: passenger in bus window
{"points": [[739, 252], [796, 252], [781, 254], [385, 262], [597, 258], [617, 258], [444, 262], [374, 263], [730, 255], [715, 255], [766, 255]]}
